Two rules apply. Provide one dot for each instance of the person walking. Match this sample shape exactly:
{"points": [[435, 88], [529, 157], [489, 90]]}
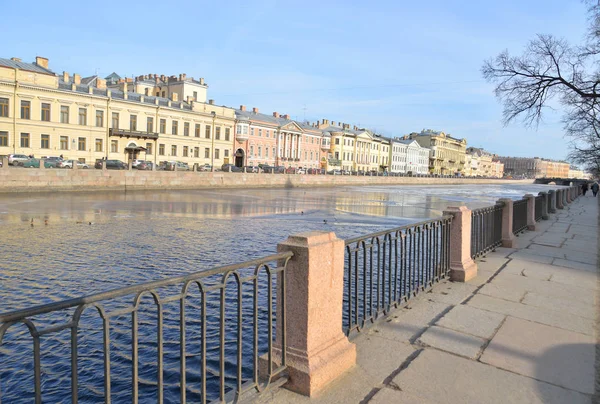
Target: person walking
{"points": [[595, 188], [584, 188]]}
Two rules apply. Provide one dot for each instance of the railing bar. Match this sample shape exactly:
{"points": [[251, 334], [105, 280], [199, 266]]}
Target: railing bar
{"points": [[222, 345], [50, 330], [74, 373], [381, 233], [37, 378], [106, 348], [182, 351], [159, 354], [134, 357]]}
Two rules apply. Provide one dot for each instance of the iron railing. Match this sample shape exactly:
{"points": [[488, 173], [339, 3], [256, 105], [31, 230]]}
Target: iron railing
{"points": [[386, 269], [486, 229], [539, 206], [519, 216], [221, 321]]}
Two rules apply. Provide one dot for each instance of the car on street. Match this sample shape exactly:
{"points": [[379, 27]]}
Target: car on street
{"points": [[35, 163], [205, 167], [143, 165], [15, 158], [301, 170], [111, 165], [69, 164], [251, 169], [334, 172], [135, 163], [230, 168]]}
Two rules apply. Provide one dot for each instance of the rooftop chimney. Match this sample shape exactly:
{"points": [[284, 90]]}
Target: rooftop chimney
{"points": [[65, 77], [202, 80], [41, 61], [255, 110], [332, 123], [286, 116], [175, 97], [100, 83], [76, 78], [276, 114], [242, 107], [15, 59], [211, 102]]}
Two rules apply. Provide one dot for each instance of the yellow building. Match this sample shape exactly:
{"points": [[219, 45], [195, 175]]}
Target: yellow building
{"points": [[448, 154], [87, 119]]}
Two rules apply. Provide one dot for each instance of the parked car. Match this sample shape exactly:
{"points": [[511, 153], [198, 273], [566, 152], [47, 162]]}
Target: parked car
{"points": [[69, 164], [334, 172], [230, 168], [14, 158], [143, 165], [251, 169], [35, 163], [291, 170], [136, 162], [112, 165], [301, 170], [205, 167]]}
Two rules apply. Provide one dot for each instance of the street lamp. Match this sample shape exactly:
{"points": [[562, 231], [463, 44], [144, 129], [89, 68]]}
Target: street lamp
{"points": [[212, 153]]}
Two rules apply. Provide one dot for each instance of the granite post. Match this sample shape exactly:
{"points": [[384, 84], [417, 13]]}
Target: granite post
{"points": [[559, 199], [42, 165], [318, 351], [544, 205], [462, 266], [552, 201], [530, 211], [508, 238]]}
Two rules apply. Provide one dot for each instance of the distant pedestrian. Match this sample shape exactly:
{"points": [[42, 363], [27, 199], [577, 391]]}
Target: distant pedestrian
{"points": [[595, 188], [584, 188]]}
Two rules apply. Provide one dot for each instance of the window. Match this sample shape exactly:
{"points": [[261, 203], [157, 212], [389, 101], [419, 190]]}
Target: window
{"points": [[251, 150], [174, 150], [268, 133], [238, 130], [132, 122], [149, 148], [227, 133], [4, 107], [161, 149], [251, 131], [218, 133], [115, 120], [163, 126], [226, 153], [197, 130], [99, 119], [260, 132], [207, 153], [149, 124], [114, 146], [164, 93], [185, 151], [82, 116], [259, 151], [64, 143], [196, 152], [45, 143], [99, 145], [25, 110], [195, 95], [266, 152], [146, 91], [207, 132], [186, 129], [337, 141], [45, 112], [217, 153], [81, 144], [174, 127], [24, 139], [4, 139]]}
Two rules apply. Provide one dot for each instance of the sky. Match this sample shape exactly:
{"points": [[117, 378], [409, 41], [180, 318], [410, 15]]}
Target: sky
{"points": [[393, 66]]}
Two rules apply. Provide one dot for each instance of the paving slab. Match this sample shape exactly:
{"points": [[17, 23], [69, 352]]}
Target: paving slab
{"points": [[393, 396], [545, 251], [406, 324], [553, 318], [470, 320], [452, 341], [531, 256], [580, 245], [575, 265], [528, 269], [380, 357], [560, 357], [575, 277], [482, 278], [547, 240], [451, 292], [441, 377], [503, 292], [568, 306], [490, 263]]}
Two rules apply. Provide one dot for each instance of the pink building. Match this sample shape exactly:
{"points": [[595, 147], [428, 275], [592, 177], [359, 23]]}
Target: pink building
{"points": [[276, 140]]}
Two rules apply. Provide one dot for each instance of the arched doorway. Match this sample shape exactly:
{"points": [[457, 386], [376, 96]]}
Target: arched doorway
{"points": [[239, 158]]}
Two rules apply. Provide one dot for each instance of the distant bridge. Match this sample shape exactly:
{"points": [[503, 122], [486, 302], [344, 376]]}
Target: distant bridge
{"points": [[560, 181]]}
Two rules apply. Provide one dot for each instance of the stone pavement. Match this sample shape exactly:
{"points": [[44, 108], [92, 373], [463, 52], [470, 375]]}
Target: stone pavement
{"points": [[525, 330]]}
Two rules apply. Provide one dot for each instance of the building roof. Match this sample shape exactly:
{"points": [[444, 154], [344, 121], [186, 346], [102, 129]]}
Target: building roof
{"points": [[31, 67]]}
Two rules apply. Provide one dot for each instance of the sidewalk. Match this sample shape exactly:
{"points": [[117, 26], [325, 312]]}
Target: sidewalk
{"points": [[523, 331]]}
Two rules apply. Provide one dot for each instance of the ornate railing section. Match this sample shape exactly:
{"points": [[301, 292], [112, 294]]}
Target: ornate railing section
{"points": [[384, 270], [539, 207], [195, 338], [519, 216], [486, 229]]}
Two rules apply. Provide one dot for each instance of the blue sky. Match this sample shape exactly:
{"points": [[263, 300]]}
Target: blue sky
{"points": [[394, 66]]}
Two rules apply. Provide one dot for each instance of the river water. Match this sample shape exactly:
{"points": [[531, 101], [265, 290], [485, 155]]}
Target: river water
{"points": [[59, 246]]}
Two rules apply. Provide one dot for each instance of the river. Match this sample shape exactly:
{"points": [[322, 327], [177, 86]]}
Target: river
{"points": [[57, 246]]}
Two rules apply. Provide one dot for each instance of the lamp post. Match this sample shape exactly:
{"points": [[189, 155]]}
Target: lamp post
{"points": [[212, 141]]}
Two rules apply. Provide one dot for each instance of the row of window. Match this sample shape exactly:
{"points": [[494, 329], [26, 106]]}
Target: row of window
{"points": [[133, 120], [313, 155]]}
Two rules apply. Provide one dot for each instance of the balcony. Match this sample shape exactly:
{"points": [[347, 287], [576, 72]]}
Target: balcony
{"points": [[241, 137], [132, 133], [325, 147], [334, 162]]}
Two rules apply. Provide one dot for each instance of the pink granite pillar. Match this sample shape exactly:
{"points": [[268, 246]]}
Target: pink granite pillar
{"points": [[4, 161], [559, 199], [568, 194], [530, 211], [508, 238], [462, 266], [317, 349]]}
